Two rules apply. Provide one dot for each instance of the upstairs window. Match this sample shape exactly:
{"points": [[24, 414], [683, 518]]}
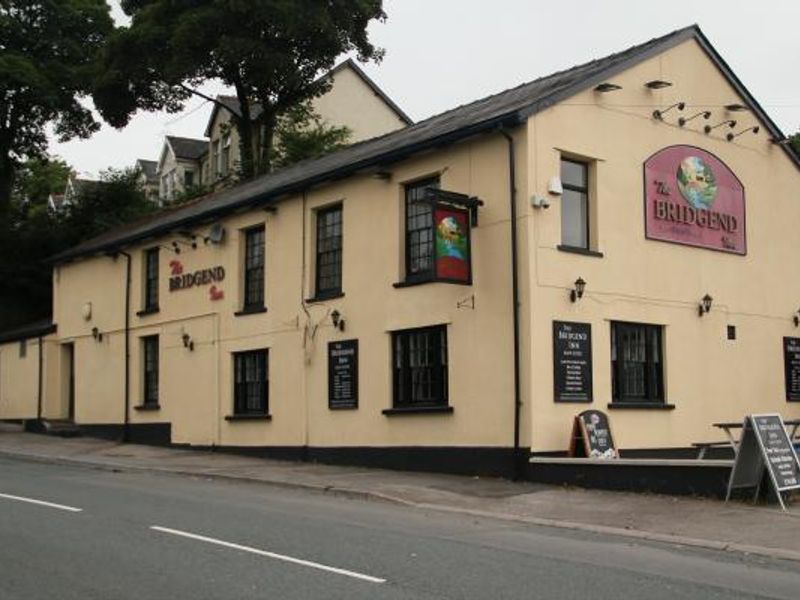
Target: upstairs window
{"points": [[151, 279], [150, 362], [637, 368], [575, 204], [254, 268], [419, 359], [419, 231], [251, 383], [329, 252]]}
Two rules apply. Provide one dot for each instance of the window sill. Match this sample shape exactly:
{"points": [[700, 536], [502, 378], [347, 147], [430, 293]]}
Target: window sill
{"points": [[263, 417], [644, 405], [413, 282], [578, 250], [147, 407], [250, 310], [324, 297], [147, 311], [418, 410]]}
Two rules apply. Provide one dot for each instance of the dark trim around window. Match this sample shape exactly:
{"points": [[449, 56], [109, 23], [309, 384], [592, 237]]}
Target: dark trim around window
{"points": [[150, 371], [150, 281], [328, 266], [251, 384], [419, 234], [254, 259], [637, 365], [419, 370], [583, 190]]}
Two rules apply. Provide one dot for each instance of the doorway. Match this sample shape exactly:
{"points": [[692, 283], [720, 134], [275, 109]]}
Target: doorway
{"points": [[68, 358]]}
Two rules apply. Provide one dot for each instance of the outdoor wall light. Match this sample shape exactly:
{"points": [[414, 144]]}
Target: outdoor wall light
{"points": [[86, 311], [796, 318], [176, 245], [97, 335], [659, 114], [730, 137], [188, 342], [729, 122], [576, 293], [337, 320], [657, 84], [607, 87], [705, 305], [703, 113]]}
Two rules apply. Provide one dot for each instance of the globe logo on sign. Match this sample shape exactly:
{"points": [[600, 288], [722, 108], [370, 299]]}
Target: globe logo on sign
{"points": [[696, 182]]}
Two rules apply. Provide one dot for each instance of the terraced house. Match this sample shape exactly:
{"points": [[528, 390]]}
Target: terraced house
{"points": [[618, 236]]}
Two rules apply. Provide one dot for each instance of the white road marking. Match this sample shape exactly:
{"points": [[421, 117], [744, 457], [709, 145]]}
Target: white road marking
{"points": [[283, 557], [41, 503]]}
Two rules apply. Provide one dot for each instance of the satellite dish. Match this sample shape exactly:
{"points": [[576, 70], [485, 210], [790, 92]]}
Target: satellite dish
{"points": [[216, 234]]}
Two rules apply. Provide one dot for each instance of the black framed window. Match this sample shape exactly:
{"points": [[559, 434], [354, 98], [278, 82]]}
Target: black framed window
{"points": [[329, 252], [637, 365], [150, 369], [254, 268], [151, 279], [419, 358], [575, 204], [251, 383], [419, 231]]}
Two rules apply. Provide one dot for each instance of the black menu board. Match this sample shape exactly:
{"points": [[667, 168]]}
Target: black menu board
{"points": [[591, 436], [572, 361], [777, 451], [343, 374], [791, 364]]}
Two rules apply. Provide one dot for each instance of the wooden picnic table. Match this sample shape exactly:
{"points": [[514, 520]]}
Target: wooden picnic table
{"points": [[729, 427]]}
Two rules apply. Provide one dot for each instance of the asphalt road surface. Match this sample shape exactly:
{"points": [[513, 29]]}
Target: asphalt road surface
{"points": [[73, 533]]}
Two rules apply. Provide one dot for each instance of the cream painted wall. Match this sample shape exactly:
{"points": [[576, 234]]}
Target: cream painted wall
{"points": [[19, 380], [708, 378]]}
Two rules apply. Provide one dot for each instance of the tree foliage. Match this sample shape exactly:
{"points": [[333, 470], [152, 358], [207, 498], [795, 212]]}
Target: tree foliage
{"points": [[271, 52], [794, 141], [301, 134], [48, 51], [37, 179]]}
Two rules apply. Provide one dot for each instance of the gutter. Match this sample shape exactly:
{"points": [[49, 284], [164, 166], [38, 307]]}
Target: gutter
{"points": [[40, 384], [126, 427], [512, 193]]}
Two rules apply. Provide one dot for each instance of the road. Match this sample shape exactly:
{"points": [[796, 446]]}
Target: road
{"points": [[75, 533]]}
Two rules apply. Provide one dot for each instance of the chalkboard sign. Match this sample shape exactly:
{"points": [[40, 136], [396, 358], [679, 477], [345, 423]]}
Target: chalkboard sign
{"points": [[764, 444], [572, 361], [591, 436], [343, 374], [791, 365]]}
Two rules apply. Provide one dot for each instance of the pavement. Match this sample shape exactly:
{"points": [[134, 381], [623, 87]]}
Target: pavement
{"points": [[694, 522]]}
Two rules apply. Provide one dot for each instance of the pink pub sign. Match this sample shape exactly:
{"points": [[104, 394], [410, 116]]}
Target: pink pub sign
{"points": [[691, 197]]}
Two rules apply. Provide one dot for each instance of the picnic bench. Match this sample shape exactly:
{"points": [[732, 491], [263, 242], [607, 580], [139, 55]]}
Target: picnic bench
{"points": [[732, 442]]}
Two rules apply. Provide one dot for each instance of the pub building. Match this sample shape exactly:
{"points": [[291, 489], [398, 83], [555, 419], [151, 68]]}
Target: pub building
{"points": [[618, 237]]}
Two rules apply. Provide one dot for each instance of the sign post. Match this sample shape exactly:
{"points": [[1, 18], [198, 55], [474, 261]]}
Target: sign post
{"points": [[765, 445]]}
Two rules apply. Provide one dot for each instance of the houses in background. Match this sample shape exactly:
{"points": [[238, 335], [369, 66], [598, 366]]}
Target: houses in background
{"points": [[353, 101]]}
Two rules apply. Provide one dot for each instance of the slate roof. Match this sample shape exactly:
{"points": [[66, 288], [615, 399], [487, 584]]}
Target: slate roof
{"points": [[149, 168], [506, 109], [25, 332], [188, 148]]}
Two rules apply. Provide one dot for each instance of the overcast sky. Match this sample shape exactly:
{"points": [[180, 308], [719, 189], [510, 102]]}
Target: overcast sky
{"points": [[442, 53]]}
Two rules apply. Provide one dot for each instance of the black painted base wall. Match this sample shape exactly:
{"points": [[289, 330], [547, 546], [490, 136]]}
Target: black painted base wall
{"points": [[151, 434]]}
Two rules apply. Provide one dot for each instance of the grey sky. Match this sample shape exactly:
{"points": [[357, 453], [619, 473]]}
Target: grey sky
{"points": [[442, 53]]}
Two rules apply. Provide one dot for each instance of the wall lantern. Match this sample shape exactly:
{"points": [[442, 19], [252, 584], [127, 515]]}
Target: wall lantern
{"points": [[188, 342], [729, 122], [97, 335], [607, 87], [706, 114], [576, 293], [796, 318], [730, 137], [659, 114], [86, 311], [705, 305], [337, 320], [657, 84]]}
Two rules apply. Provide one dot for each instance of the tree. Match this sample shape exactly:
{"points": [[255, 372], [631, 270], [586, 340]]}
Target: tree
{"points": [[47, 55], [37, 178], [301, 134], [794, 141], [270, 51]]}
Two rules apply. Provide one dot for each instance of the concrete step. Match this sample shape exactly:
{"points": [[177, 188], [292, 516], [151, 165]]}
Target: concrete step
{"points": [[61, 428]]}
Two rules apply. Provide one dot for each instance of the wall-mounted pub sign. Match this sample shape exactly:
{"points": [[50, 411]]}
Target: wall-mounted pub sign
{"points": [[692, 198], [791, 365], [454, 215], [179, 280], [343, 374], [572, 361]]}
